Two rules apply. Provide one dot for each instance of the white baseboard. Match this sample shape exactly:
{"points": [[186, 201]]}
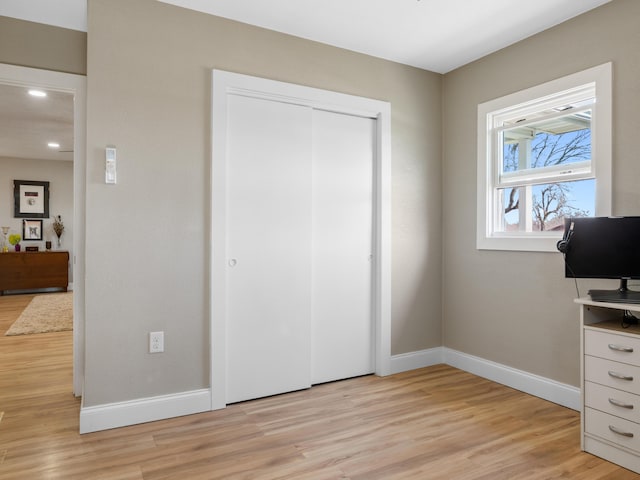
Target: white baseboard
{"points": [[556, 392], [121, 414], [104, 417], [412, 360]]}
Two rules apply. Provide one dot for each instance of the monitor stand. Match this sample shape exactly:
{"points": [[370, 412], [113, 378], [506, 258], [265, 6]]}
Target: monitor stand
{"points": [[621, 295]]}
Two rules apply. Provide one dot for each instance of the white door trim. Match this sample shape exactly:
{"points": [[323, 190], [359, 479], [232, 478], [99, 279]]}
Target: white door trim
{"points": [[225, 83], [76, 85]]}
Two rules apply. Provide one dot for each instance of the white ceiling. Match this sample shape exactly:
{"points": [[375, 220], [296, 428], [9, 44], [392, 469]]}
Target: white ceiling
{"points": [[436, 35], [28, 124]]}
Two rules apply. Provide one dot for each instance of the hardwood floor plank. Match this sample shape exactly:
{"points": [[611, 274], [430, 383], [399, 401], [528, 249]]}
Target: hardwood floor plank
{"points": [[432, 423]]}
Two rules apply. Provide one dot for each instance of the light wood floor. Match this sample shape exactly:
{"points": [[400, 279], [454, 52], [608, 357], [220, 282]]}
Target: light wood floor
{"points": [[432, 423]]}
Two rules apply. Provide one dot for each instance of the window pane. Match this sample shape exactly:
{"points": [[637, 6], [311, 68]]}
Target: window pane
{"points": [[510, 200], [556, 141], [544, 207]]}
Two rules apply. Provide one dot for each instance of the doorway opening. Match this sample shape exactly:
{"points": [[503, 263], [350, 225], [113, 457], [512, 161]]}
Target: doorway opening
{"points": [[69, 91]]}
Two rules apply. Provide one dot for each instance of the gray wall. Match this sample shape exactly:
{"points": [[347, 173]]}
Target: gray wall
{"points": [[517, 308], [35, 45], [149, 87]]}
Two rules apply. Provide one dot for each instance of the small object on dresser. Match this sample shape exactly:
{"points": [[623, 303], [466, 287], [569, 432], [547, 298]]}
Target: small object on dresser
{"points": [[14, 239], [5, 231], [47, 245], [58, 228], [32, 249]]}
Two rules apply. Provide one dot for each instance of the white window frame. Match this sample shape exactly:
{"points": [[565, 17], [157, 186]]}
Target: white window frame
{"points": [[575, 87]]}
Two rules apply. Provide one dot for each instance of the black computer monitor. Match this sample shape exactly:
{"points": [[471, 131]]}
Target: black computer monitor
{"points": [[603, 247]]}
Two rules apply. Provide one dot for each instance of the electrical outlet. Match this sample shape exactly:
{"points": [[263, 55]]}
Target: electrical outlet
{"points": [[156, 342]]}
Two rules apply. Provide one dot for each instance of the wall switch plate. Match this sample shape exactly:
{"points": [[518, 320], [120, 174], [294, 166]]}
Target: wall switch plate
{"points": [[156, 342], [110, 175]]}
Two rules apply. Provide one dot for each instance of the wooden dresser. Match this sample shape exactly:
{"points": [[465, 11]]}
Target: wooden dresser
{"points": [[34, 270], [610, 383]]}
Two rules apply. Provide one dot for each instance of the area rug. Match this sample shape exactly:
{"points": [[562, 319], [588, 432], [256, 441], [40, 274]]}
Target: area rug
{"points": [[52, 312]]}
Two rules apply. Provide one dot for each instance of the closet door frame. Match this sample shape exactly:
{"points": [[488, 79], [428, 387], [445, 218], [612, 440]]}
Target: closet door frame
{"points": [[228, 83]]}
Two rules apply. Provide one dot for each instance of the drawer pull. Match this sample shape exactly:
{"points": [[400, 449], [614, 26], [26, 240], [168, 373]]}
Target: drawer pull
{"points": [[620, 404], [620, 376], [620, 432], [620, 348]]}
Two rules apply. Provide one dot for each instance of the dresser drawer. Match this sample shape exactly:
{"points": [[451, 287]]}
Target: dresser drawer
{"points": [[612, 374], [616, 430], [612, 346], [609, 400]]}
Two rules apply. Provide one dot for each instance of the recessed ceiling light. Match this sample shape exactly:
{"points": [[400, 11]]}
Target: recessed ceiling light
{"points": [[37, 93], [53, 145]]}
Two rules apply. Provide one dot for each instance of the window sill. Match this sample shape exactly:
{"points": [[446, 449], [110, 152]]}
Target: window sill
{"points": [[522, 243]]}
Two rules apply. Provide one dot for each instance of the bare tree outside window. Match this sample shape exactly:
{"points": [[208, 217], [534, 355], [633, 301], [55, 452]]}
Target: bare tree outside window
{"points": [[549, 203]]}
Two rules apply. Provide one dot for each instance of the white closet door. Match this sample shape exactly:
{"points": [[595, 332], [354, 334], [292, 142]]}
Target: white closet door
{"points": [[342, 326], [269, 248]]}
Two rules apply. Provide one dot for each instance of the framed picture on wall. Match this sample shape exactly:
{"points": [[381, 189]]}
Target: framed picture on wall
{"points": [[31, 199], [32, 230]]}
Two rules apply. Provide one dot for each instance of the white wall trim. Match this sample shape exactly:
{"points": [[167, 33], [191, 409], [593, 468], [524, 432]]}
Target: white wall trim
{"points": [[547, 389], [121, 414], [413, 360], [556, 392]]}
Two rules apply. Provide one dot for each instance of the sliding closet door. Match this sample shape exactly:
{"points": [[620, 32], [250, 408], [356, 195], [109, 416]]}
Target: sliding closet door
{"points": [[342, 326], [269, 247]]}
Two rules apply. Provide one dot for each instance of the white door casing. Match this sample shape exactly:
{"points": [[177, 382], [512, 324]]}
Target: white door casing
{"points": [[227, 84]]}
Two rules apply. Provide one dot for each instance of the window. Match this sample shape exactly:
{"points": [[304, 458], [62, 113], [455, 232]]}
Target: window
{"points": [[544, 154]]}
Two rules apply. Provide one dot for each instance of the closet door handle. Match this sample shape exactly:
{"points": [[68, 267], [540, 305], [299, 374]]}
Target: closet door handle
{"points": [[620, 432], [233, 262], [620, 376], [620, 348], [620, 404]]}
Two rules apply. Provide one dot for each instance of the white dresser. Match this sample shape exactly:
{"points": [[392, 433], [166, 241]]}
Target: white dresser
{"points": [[610, 383]]}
